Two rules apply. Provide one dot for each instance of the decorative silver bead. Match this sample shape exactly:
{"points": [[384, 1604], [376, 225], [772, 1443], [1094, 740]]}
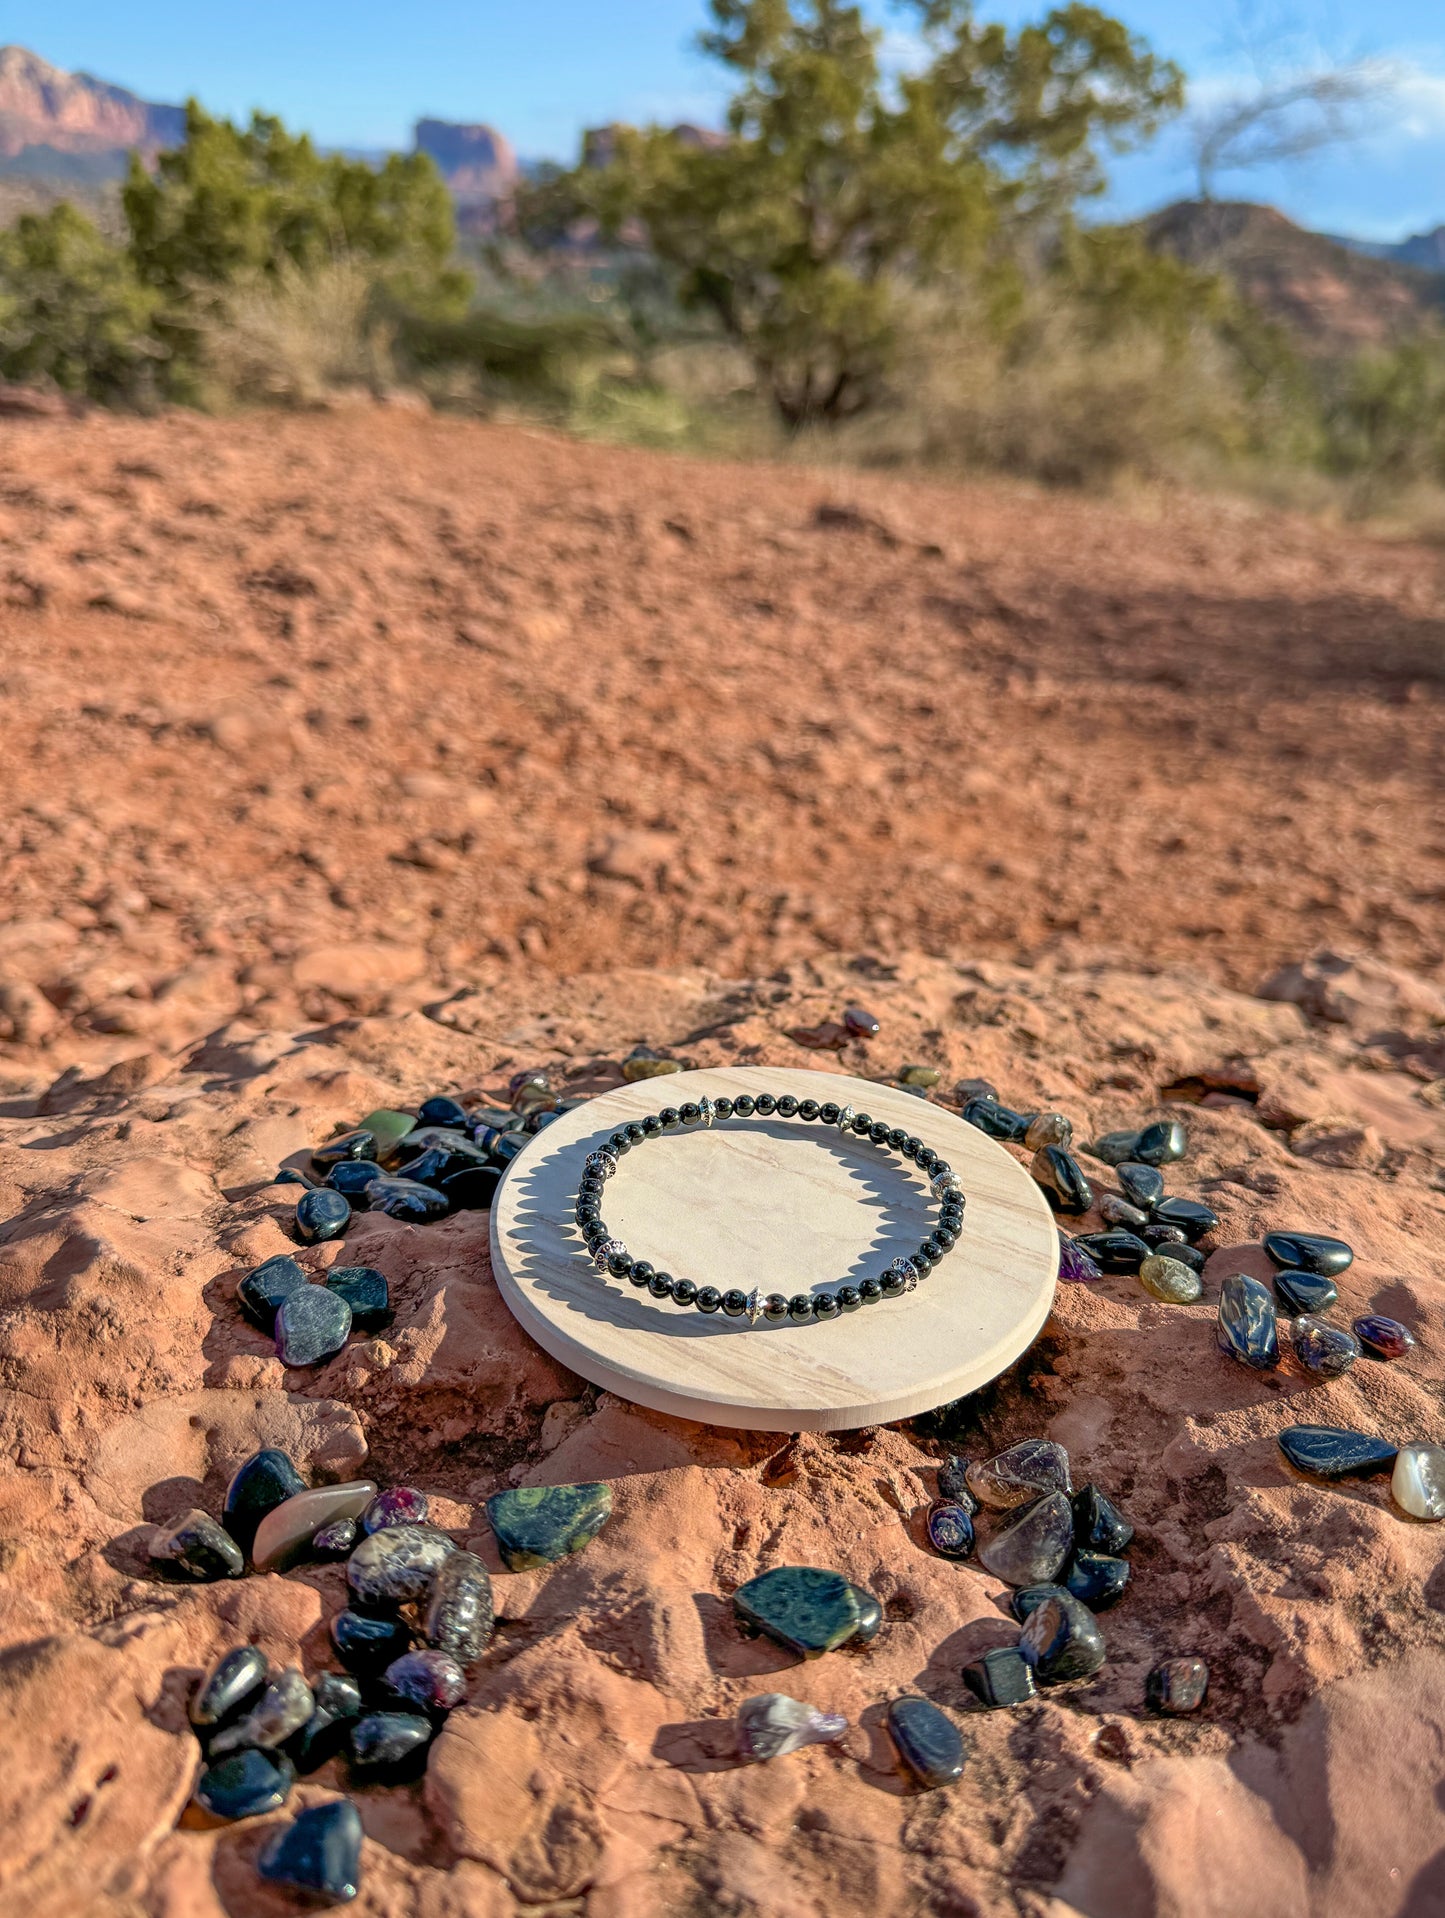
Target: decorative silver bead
{"points": [[707, 1111], [846, 1118], [602, 1162], [609, 1249], [755, 1306], [945, 1182], [907, 1271]]}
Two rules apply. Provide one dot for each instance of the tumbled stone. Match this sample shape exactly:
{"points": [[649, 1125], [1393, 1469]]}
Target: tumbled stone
{"points": [[1418, 1482], [336, 1702], [324, 1214], [431, 1680], [285, 1534], [197, 1548], [312, 1325], [366, 1291], [861, 1023], [1382, 1338], [406, 1199], [927, 1740], [1096, 1579], [1099, 1525], [1247, 1328], [1309, 1252], [1161, 1143], [1036, 1547], [1026, 1601], [1177, 1687], [473, 1189], [353, 1178], [537, 1524], [1170, 1279], [1334, 1452], [260, 1483], [1169, 1240], [318, 1854], [1061, 1640], [397, 1505], [806, 1609], [442, 1112], [1193, 1218], [248, 1784], [643, 1063], [923, 1078], [288, 1175], [233, 1681], [1075, 1265], [1142, 1185], [336, 1540], [283, 1708], [829, 1036], [351, 1145], [1116, 1251], [368, 1645], [1048, 1128], [390, 1745], [1116, 1211], [1324, 1348], [451, 1146], [953, 1484], [1025, 1471], [967, 1089], [262, 1292], [1062, 1180], [1304, 1292], [458, 1615], [770, 1725], [388, 1129], [1115, 1147], [395, 1566], [996, 1120], [950, 1531], [1001, 1678]]}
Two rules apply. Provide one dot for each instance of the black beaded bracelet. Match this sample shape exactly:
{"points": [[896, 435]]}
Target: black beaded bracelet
{"points": [[610, 1255]]}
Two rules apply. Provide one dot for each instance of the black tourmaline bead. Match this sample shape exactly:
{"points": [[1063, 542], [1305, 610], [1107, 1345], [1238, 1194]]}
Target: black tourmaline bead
{"points": [[775, 1306], [937, 1166], [723, 1108], [929, 1161], [669, 1116], [897, 1138], [869, 1291], [862, 1125], [766, 1103], [923, 1260], [936, 1246], [945, 1235], [709, 1299], [735, 1304], [800, 1306], [689, 1113], [828, 1113], [620, 1264], [635, 1134], [642, 1271], [659, 1285], [878, 1132], [849, 1298], [912, 1146], [950, 1217], [894, 1284], [684, 1291], [745, 1107], [787, 1106], [825, 1305], [651, 1124], [619, 1143], [808, 1109]]}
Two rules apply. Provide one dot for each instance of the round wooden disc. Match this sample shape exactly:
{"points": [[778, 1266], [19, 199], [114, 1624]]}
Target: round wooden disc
{"points": [[787, 1207]]}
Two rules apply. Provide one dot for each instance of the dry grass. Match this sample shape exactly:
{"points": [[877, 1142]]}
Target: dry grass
{"points": [[297, 338]]}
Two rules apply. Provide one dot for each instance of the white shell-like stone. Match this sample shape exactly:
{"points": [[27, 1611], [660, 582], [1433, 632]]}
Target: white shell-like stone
{"points": [[288, 1528], [771, 1724], [1418, 1486]]}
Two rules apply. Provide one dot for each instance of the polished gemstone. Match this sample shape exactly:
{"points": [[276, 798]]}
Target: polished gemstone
{"points": [[336, 1540], [263, 1291], [288, 1175], [264, 1481], [1335, 1452], [1177, 1687], [537, 1524], [197, 1548], [870, 1614], [1116, 1251], [1301, 1292], [1309, 1252], [286, 1533], [770, 1725], [429, 1168], [368, 1645], [1116, 1211], [388, 1129], [442, 1112], [1099, 1525], [248, 1784], [406, 1199], [1247, 1328], [233, 1682], [312, 1325], [808, 1610], [1062, 1179], [396, 1566], [927, 1740], [324, 1213], [458, 1615], [1048, 1128], [1115, 1147], [1061, 1640], [397, 1505], [922, 1078], [433, 1681], [1418, 1483], [996, 1120], [950, 1531], [351, 1145], [473, 1189], [1025, 1471], [1034, 1549], [283, 1708], [1001, 1677], [1096, 1579], [1161, 1143], [643, 1063], [353, 1178], [336, 1701], [1075, 1265], [861, 1023], [390, 1745], [967, 1089], [1170, 1279], [1169, 1240], [451, 1147], [1193, 1218], [1141, 1185], [953, 1484], [1324, 1348], [318, 1854], [1383, 1338], [1028, 1599], [365, 1290]]}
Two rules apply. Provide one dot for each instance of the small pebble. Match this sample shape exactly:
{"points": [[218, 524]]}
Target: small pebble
{"points": [[827, 1037], [1142, 1185], [538, 1524], [1062, 1179], [1001, 1678], [262, 1292], [643, 1063], [1309, 1252], [1115, 1147], [312, 1325], [1418, 1483], [1048, 1128], [368, 1645], [288, 1175], [433, 1681], [259, 1484], [927, 1740], [442, 1112], [1023, 1472], [235, 1679], [1335, 1452], [1170, 1279], [1177, 1687], [1117, 1211], [1027, 1600], [953, 1484], [1096, 1579], [1061, 1640], [353, 1178], [1114, 1251], [1171, 1242], [324, 1214], [1099, 1525], [1193, 1218], [1324, 1348], [248, 1784], [337, 1701], [396, 1565], [336, 1540], [1382, 1338], [283, 1708], [1075, 1265], [1034, 1549], [366, 1291], [318, 1854], [1161, 1143], [351, 1145], [967, 1089], [770, 1725], [197, 1548], [398, 1505], [406, 1199], [1304, 1292], [1247, 1328], [390, 1746], [950, 1531], [922, 1078], [860, 1023]]}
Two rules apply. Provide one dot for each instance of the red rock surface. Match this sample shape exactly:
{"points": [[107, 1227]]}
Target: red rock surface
{"points": [[357, 758]]}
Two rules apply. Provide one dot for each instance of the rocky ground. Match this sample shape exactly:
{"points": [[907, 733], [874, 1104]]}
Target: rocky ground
{"points": [[357, 758]]}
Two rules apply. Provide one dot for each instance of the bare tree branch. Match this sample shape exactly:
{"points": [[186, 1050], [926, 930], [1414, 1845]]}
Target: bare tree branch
{"points": [[1289, 118]]}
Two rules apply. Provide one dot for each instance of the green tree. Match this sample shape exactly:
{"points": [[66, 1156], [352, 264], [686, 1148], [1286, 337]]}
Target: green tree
{"points": [[72, 311], [835, 193]]}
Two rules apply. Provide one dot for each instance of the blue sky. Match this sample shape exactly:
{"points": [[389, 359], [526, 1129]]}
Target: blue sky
{"points": [[358, 73]]}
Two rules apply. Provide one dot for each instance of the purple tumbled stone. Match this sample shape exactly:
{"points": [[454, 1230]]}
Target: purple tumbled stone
{"points": [[1383, 1338], [399, 1505], [337, 1539], [1075, 1265], [430, 1679], [950, 1530]]}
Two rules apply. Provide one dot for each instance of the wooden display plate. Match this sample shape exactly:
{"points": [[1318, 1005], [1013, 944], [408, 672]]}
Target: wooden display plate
{"points": [[787, 1207]]}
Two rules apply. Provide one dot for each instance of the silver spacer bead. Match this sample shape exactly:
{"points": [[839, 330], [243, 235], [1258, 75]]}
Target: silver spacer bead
{"points": [[608, 1249], [945, 1182], [755, 1306], [707, 1111], [846, 1118], [907, 1271], [602, 1161]]}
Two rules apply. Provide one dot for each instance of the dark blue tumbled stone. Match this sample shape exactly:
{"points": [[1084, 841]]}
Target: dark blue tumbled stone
{"points": [[1115, 1147], [1116, 1251], [1062, 1179], [950, 1531], [261, 1483], [473, 1188], [806, 1609], [1309, 1252], [953, 1484], [233, 1682], [442, 1112], [1062, 1640], [337, 1701], [1193, 1218], [365, 1290], [1169, 1240], [996, 1120], [261, 1292], [1247, 1328], [318, 1854], [1141, 1185], [354, 1178], [1095, 1579], [1306, 1292], [1099, 1525], [1161, 1143], [312, 1325], [367, 1645], [1322, 1347], [351, 1145], [1029, 1598], [322, 1214], [406, 1199], [1334, 1452], [927, 1741], [246, 1784], [1001, 1677], [390, 1745]]}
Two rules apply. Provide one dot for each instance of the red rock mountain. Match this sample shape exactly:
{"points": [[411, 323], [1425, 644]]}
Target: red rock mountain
{"points": [[478, 164], [72, 113]]}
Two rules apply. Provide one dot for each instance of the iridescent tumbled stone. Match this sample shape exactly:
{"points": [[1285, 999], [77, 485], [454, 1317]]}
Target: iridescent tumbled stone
{"points": [[1034, 1549], [953, 1484], [1309, 1252], [950, 1531], [262, 1292], [366, 1645], [1115, 1147], [1001, 1678], [1028, 1598], [1061, 1640], [1335, 1452], [1099, 1525], [1025, 1471], [397, 1505], [442, 1112], [353, 1177], [197, 1548], [351, 1145], [236, 1678], [336, 1703], [1116, 1211], [1062, 1179], [431, 1680], [1161, 1143], [1324, 1348], [1141, 1185], [1075, 1265], [317, 1855], [246, 1784], [390, 1746], [259, 1484], [996, 1120], [538, 1524], [927, 1739], [1383, 1338], [1114, 1251], [1247, 1328], [806, 1609], [1192, 1217], [458, 1616], [283, 1708], [1304, 1292], [1418, 1483], [366, 1291], [406, 1199], [1177, 1687], [1170, 1279], [770, 1725], [1096, 1579], [311, 1326]]}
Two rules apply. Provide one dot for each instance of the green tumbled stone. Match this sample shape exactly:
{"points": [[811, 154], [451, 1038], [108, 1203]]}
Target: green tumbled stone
{"points": [[808, 1610], [388, 1129], [1170, 1279], [538, 1524], [921, 1077]]}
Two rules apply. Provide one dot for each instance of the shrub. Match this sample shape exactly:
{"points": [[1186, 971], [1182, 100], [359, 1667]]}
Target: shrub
{"points": [[73, 313]]}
